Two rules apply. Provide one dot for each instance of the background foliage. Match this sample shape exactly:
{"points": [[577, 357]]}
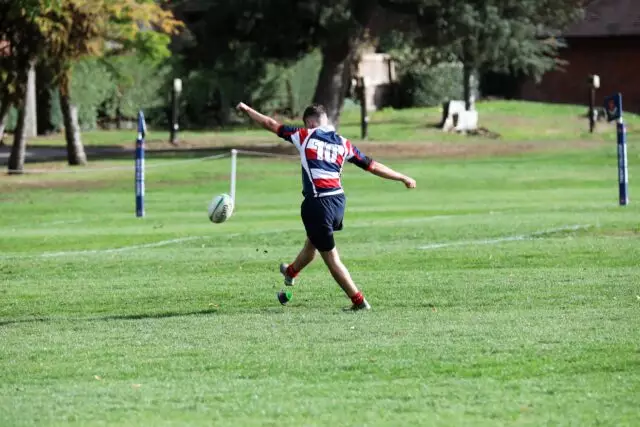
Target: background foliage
{"points": [[231, 51], [425, 78]]}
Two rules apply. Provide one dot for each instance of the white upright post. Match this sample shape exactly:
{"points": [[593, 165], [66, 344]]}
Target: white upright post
{"points": [[234, 164], [31, 123]]}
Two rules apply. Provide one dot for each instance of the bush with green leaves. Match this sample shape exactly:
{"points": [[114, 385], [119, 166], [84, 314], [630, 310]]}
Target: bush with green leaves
{"points": [[303, 77], [137, 84], [211, 93], [102, 86], [431, 86], [91, 85], [425, 77]]}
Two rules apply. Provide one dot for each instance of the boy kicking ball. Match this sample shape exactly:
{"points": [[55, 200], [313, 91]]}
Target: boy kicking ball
{"points": [[322, 156]]}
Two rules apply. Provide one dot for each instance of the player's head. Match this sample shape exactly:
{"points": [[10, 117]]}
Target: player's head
{"points": [[315, 116]]}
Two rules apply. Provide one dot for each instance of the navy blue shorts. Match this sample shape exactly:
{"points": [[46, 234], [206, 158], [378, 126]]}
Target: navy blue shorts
{"points": [[321, 217]]}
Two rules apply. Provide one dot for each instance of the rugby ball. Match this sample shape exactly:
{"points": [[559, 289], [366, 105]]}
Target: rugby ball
{"points": [[220, 208]]}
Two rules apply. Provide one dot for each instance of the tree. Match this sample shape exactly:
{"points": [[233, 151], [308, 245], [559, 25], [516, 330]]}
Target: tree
{"points": [[82, 28], [284, 31], [342, 28], [60, 32], [500, 35], [20, 44], [482, 34]]}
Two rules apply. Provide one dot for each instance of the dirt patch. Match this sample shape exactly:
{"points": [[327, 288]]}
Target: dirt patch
{"points": [[13, 184], [392, 149], [9, 200], [485, 133]]}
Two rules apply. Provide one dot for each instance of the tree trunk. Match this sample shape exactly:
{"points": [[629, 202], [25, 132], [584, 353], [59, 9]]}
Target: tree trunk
{"points": [[466, 72], [4, 112], [338, 57], [291, 101], [18, 150], [31, 124], [118, 115], [75, 149], [333, 81]]}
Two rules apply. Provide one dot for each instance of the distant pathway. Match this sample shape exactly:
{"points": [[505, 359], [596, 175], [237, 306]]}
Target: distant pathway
{"points": [[48, 153], [410, 150]]}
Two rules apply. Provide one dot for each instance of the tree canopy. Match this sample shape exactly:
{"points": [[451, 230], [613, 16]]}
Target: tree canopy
{"points": [[504, 35], [283, 31], [233, 49], [511, 36], [58, 33]]}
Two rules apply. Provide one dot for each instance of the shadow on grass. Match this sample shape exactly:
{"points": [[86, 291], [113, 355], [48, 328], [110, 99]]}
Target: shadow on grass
{"points": [[142, 316]]}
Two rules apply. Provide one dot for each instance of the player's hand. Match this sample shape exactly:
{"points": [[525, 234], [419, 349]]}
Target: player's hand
{"points": [[409, 182], [241, 107]]}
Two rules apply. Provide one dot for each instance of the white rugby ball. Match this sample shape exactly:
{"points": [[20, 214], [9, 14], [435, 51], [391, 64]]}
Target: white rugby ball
{"points": [[220, 208]]}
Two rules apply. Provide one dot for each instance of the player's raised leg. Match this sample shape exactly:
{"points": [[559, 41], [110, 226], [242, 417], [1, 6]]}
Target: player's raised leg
{"points": [[343, 277], [304, 258]]}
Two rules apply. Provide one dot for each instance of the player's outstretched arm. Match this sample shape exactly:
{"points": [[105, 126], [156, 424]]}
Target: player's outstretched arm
{"points": [[265, 121], [386, 172]]}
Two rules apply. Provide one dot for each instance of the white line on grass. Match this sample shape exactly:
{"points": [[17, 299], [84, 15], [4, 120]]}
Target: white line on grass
{"points": [[283, 230], [222, 235], [503, 239], [112, 250]]}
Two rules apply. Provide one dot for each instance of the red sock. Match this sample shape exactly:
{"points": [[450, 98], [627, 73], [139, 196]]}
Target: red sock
{"points": [[358, 298], [291, 272]]}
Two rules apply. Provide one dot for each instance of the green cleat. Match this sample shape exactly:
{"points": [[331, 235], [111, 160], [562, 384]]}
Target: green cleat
{"points": [[284, 297]]}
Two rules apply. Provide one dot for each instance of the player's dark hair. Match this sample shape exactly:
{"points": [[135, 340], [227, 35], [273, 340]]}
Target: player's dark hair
{"points": [[313, 111]]}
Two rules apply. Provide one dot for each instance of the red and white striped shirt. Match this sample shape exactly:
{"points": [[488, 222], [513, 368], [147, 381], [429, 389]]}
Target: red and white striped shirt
{"points": [[322, 156]]}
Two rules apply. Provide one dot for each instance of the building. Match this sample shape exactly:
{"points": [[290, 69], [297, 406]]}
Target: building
{"points": [[607, 43], [379, 73]]}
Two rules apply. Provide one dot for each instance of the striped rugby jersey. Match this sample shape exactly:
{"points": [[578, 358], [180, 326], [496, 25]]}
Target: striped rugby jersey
{"points": [[322, 155]]}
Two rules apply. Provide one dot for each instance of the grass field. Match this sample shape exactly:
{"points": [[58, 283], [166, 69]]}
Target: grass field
{"points": [[505, 292]]}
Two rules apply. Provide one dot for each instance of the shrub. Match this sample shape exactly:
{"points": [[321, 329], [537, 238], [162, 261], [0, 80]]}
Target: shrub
{"points": [[427, 87], [91, 85], [136, 84]]}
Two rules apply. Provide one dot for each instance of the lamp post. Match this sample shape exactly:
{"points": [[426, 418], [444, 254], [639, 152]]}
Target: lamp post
{"points": [[175, 96], [594, 83], [364, 114]]}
